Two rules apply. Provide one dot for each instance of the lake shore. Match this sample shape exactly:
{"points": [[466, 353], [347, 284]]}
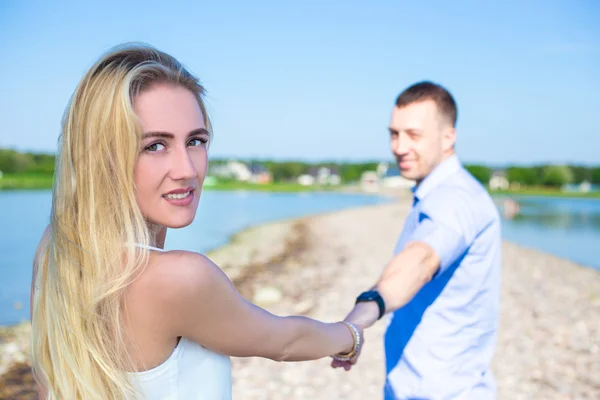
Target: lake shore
{"points": [[549, 340], [44, 182]]}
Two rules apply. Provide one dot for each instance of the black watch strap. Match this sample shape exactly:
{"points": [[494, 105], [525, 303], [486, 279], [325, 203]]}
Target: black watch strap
{"points": [[373, 295]]}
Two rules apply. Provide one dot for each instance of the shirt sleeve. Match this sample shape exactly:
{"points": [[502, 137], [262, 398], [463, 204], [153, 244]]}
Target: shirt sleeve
{"points": [[448, 244], [447, 225]]}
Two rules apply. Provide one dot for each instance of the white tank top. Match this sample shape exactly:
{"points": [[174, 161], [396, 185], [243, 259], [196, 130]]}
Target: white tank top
{"points": [[191, 372]]}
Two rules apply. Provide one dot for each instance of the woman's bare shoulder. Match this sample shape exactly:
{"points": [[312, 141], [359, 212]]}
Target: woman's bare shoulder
{"points": [[180, 264], [175, 276], [171, 284]]}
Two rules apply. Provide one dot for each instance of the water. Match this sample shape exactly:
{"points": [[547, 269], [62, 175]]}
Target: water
{"points": [[25, 214], [569, 228], [566, 227]]}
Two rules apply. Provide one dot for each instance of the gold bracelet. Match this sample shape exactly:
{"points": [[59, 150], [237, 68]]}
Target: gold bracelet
{"points": [[357, 343]]}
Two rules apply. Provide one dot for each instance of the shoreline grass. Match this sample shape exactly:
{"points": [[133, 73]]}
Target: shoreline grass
{"points": [[269, 187], [32, 181], [28, 181], [544, 192], [45, 181]]}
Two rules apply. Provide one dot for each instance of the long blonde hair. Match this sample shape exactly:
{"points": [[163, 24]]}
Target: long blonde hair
{"points": [[79, 347]]}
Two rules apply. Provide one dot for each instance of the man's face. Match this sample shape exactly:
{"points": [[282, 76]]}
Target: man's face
{"points": [[420, 139]]}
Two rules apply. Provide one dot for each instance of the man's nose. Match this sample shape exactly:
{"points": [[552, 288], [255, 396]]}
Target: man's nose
{"points": [[400, 145]]}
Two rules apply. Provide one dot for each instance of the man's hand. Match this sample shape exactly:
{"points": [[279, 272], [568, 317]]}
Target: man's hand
{"points": [[347, 365]]}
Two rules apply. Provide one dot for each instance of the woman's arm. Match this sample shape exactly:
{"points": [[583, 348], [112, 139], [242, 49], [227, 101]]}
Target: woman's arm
{"points": [[202, 304]]}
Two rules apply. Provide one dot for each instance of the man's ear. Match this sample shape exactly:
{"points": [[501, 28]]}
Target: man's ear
{"points": [[448, 138]]}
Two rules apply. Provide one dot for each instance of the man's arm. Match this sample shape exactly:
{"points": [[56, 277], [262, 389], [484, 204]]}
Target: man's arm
{"points": [[441, 238], [407, 273], [448, 224], [401, 279]]}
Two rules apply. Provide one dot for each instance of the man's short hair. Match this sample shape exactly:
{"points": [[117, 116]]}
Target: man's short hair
{"points": [[426, 90]]}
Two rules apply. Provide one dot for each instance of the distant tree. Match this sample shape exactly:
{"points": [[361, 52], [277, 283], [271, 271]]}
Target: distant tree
{"points": [[353, 172], [480, 172], [580, 173], [557, 175], [217, 161], [14, 162], [42, 164], [595, 175], [287, 170], [523, 176]]}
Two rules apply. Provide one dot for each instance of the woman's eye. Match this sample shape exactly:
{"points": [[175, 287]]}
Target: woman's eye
{"points": [[155, 147], [197, 142]]}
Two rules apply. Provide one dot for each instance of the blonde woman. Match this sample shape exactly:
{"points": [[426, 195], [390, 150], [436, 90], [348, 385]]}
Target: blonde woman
{"points": [[114, 315]]}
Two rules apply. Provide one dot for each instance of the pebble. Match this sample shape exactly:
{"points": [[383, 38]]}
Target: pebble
{"points": [[266, 296]]}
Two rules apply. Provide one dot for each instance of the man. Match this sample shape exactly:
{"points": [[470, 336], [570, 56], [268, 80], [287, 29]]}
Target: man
{"points": [[442, 287]]}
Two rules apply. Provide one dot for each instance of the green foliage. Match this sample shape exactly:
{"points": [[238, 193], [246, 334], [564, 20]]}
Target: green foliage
{"points": [[557, 175], [268, 187], [352, 172], [580, 173], [12, 162], [26, 181], [595, 175], [523, 176], [546, 191], [480, 172], [287, 170]]}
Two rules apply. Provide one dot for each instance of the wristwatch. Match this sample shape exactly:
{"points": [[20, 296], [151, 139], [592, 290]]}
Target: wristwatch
{"points": [[373, 295]]}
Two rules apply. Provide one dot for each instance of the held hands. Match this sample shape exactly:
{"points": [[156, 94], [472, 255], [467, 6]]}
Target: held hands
{"points": [[363, 316], [347, 360]]}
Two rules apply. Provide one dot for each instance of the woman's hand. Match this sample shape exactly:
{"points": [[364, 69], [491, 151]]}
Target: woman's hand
{"points": [[347, 364]]}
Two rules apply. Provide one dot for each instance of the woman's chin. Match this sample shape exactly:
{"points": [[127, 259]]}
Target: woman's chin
{"points": [[177, 222], [177, 226]]}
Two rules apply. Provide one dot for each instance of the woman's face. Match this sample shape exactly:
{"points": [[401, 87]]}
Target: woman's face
{"points": [[172, 164]]}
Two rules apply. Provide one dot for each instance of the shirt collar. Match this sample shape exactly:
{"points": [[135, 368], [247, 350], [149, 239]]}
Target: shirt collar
{"points": [[439, 174]]}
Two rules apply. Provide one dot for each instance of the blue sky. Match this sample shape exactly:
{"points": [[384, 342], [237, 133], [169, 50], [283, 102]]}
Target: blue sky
{"points": [[316, 80]]}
